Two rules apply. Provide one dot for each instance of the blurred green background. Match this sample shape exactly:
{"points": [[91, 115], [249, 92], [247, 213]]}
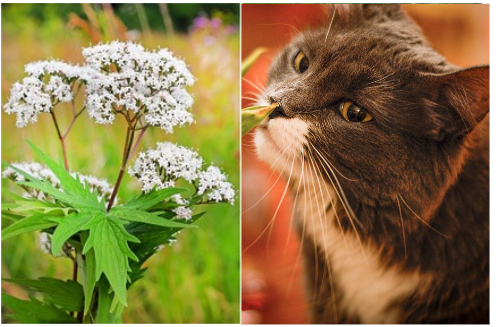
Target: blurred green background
{"points": [[196, 280]]}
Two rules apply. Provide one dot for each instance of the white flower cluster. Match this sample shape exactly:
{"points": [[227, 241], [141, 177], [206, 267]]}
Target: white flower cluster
{"points": [[127, 77], [183, 213], [39, 171], [214, 180], [47, 83], [118, 77], [161, 167]]}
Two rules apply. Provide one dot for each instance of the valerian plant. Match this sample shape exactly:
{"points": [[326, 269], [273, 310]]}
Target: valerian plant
{"points": [[79, 216]]}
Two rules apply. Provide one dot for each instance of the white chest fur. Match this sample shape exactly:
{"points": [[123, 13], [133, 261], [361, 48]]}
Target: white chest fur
{"points": [[367, 287]]}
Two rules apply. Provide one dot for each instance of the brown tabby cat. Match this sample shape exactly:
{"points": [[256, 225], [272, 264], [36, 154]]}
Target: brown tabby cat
{"points": [[386, 147]]}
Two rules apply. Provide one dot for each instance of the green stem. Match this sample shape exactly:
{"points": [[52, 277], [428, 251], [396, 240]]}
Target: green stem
{"points": [[73, 120], [61, 139], [129, 140], [66, 166], [136, 146]]}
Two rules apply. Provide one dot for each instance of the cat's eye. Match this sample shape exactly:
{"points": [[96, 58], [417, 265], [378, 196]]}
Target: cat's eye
{"points": [[352, 112], [300, 62]]}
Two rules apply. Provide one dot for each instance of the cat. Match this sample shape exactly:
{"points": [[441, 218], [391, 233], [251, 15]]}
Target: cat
{"points": [[385, 146]]}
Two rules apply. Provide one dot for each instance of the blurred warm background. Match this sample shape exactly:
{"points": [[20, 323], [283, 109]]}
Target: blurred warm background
{"points": [[271, 271], [197, 279]]}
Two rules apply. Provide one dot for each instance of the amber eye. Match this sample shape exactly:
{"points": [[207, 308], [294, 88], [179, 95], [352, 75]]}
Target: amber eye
{"points": [[352, 112], [300, 62]]}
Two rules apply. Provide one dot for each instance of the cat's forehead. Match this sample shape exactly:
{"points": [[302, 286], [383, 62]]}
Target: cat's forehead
{"points": [[389, 45]]}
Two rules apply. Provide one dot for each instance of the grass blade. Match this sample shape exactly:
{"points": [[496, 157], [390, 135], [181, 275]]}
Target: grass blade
{"points": [[251, 59], [252, 116]]}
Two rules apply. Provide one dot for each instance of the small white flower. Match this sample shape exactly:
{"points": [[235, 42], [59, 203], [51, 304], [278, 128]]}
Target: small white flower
{"points": [[215, 181], [119, 77], [162, 166], [37, 94], [27, 100], [53, 67], [179, 199], [183, 213], [127, 77]]}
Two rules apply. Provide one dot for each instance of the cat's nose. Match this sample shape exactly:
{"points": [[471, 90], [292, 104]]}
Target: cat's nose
{"points": [[277, 112]]}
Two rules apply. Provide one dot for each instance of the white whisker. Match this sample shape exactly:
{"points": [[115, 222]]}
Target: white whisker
{"points": [[279, 204], [261, 89], [272, 219], [312, 221], [402, 225], [343, 200], [295, 202], [273, 172], [332, 166], [330, 27], [301, 243], [423, 221], [254, 100], [323, 223]]}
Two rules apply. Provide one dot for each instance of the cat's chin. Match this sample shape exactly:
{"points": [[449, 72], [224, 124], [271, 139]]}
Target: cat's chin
{"points": [[280, 142]]}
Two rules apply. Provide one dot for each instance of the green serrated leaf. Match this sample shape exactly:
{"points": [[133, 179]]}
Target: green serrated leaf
{"points": [[151, 237], [195, 199], [109, 240], [150, 199], [7, 214], [69, 226], [12, 195], [67, 295], [68, 182], [87, 275], [9, 206], [109, 310], [40, 184], [147, 218], [72, 192], [28, 224], [34, 311], [162, 206], [42, 207]]}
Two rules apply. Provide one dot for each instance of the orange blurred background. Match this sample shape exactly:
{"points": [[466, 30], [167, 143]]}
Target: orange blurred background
{"points": [[271, 271]]}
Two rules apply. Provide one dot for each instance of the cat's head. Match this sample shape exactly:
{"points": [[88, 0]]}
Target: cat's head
{"points": [[367, 98]]}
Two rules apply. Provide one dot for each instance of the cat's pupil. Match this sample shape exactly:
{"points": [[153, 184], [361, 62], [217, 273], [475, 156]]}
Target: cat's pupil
{"points": [[355, 113], [301, 62], [303, 65]]}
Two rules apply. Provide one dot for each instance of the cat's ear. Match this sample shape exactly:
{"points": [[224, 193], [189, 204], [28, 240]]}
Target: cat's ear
{"points": [[352, 13], [460, 102], [342, 11], [382, 11]]}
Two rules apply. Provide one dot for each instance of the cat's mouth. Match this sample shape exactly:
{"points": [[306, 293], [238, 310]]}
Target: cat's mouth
{"points": [[280, 139]]}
